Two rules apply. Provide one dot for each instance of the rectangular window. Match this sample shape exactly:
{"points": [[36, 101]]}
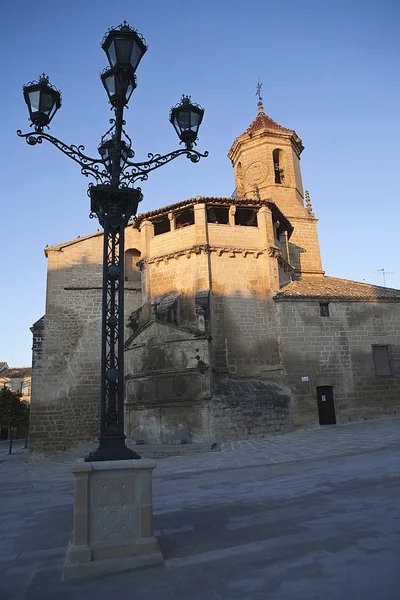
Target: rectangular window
{"points": [[184, 218], [246, 217], [382, 355], [162, 225], [25, 388], [218, 214], [324, 309]]}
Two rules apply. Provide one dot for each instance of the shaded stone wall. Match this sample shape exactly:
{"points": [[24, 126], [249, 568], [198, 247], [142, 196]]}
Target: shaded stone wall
{"points": [[249, 409], [167, 385], [336, 351], [66, 377]]}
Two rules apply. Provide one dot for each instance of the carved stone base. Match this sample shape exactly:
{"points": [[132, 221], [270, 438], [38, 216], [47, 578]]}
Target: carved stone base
{"points": [[113, 518]]}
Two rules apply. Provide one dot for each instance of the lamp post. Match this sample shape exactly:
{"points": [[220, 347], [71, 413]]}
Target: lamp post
{"points": [[114, 201]]}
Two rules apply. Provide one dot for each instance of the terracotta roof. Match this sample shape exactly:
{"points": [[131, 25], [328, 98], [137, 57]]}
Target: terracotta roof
{"points": [[76, 240], [333, 288], [17, 372], [263, 121]]}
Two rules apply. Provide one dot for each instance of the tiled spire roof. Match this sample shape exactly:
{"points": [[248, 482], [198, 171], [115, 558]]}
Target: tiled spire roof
{"points": [[263, 121]]}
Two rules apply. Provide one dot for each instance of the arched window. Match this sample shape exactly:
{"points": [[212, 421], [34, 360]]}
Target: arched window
{"points": [[277, 157], [239, 181], [132, 273]]}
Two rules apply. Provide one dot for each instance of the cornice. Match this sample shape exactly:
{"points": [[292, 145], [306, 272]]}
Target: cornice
{"points": [[271, 251]]}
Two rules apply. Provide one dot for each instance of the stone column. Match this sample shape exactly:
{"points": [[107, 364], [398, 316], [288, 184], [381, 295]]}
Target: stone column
{"points": [[200, 223], [232, 212], [113, 518], [146, 234], [265, 225]]}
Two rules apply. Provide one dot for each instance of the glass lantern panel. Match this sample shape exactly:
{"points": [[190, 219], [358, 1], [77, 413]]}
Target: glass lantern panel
{"points": [[129, 91], [184, 120], [110, 83], [194, 119], [46, 103], [34, 98], [104, 152], [136, 54], [124, 49], [111, 53], [53, 110]]}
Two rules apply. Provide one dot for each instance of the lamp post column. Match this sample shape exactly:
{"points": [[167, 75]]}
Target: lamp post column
{"points": [[113, 213]]}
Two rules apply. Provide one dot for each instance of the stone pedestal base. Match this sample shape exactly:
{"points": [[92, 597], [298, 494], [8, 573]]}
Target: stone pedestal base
{"points": [[113, 518]]}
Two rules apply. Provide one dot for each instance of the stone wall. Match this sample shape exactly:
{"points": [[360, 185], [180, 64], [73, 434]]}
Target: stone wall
{"points": [[66, 381], [167, 384], [249, 409], [304, 251], [337, 351]]}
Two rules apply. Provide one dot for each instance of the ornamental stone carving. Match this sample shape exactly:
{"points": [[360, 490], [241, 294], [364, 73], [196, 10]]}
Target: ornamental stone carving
{"points": [[274, 252], [112, 508], [179, 386], [256, 173], [206, 249]]}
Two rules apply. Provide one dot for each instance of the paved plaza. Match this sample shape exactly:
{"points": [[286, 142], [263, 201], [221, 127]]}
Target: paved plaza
{"points": [[307, 515]]}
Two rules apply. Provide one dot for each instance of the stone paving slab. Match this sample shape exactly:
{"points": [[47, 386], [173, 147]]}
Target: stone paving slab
{"points": [[279, 521]]}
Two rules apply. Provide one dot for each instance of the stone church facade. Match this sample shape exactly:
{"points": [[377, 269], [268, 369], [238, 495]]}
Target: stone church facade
{"points": [[233, 330]]}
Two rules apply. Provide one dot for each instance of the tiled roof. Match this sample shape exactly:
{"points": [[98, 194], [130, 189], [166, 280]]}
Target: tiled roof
{"points": [[263, 121], [333, 288], [17, 372], [215, 200]]}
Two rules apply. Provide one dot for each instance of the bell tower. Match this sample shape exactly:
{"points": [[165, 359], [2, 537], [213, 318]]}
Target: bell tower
{"points": [[266, 161]]}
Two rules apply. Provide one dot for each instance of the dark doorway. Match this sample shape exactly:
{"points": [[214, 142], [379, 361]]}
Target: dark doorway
{"points": [[326, 405]]}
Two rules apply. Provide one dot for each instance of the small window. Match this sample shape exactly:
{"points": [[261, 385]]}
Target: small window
{"points": [[162, 225], [25, 388], [184, 218], [324, 309], [246, 216], [382, 355], [218, 214]]}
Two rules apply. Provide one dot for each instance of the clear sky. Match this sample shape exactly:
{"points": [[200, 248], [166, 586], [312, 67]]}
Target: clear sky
{"points": [[330, 70]]}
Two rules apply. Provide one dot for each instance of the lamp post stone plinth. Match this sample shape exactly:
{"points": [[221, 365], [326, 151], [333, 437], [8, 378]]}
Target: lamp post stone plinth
{"points": [[113, 517]]}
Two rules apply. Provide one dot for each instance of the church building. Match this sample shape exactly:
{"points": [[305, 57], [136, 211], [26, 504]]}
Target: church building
{"points": [[233, 330]]}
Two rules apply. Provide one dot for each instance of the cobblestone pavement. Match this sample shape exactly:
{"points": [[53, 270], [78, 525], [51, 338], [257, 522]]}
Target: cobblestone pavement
{"points": [[308, 515]]}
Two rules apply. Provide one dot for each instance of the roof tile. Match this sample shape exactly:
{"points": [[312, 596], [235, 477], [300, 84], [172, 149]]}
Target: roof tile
{"points": [[263, 121], [16, 372], [315, 287]]}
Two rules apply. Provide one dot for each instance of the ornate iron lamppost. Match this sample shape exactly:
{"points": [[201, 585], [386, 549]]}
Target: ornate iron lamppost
{"points": [[114, 201]]}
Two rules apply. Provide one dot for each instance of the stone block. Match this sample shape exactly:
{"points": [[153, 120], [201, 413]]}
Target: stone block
{"points": [[113, 518]]}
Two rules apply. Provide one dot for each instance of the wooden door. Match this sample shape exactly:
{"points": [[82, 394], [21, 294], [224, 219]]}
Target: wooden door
{"points": [[326, 405]]}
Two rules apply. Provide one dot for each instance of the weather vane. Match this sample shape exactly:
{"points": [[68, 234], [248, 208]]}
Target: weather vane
{"points": [[258, 92]]}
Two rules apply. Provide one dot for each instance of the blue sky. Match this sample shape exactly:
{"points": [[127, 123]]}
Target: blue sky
{"points": [[329, 70]]}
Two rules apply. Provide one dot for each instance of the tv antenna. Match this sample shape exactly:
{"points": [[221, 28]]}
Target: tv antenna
{"points": [[384, 273]]}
